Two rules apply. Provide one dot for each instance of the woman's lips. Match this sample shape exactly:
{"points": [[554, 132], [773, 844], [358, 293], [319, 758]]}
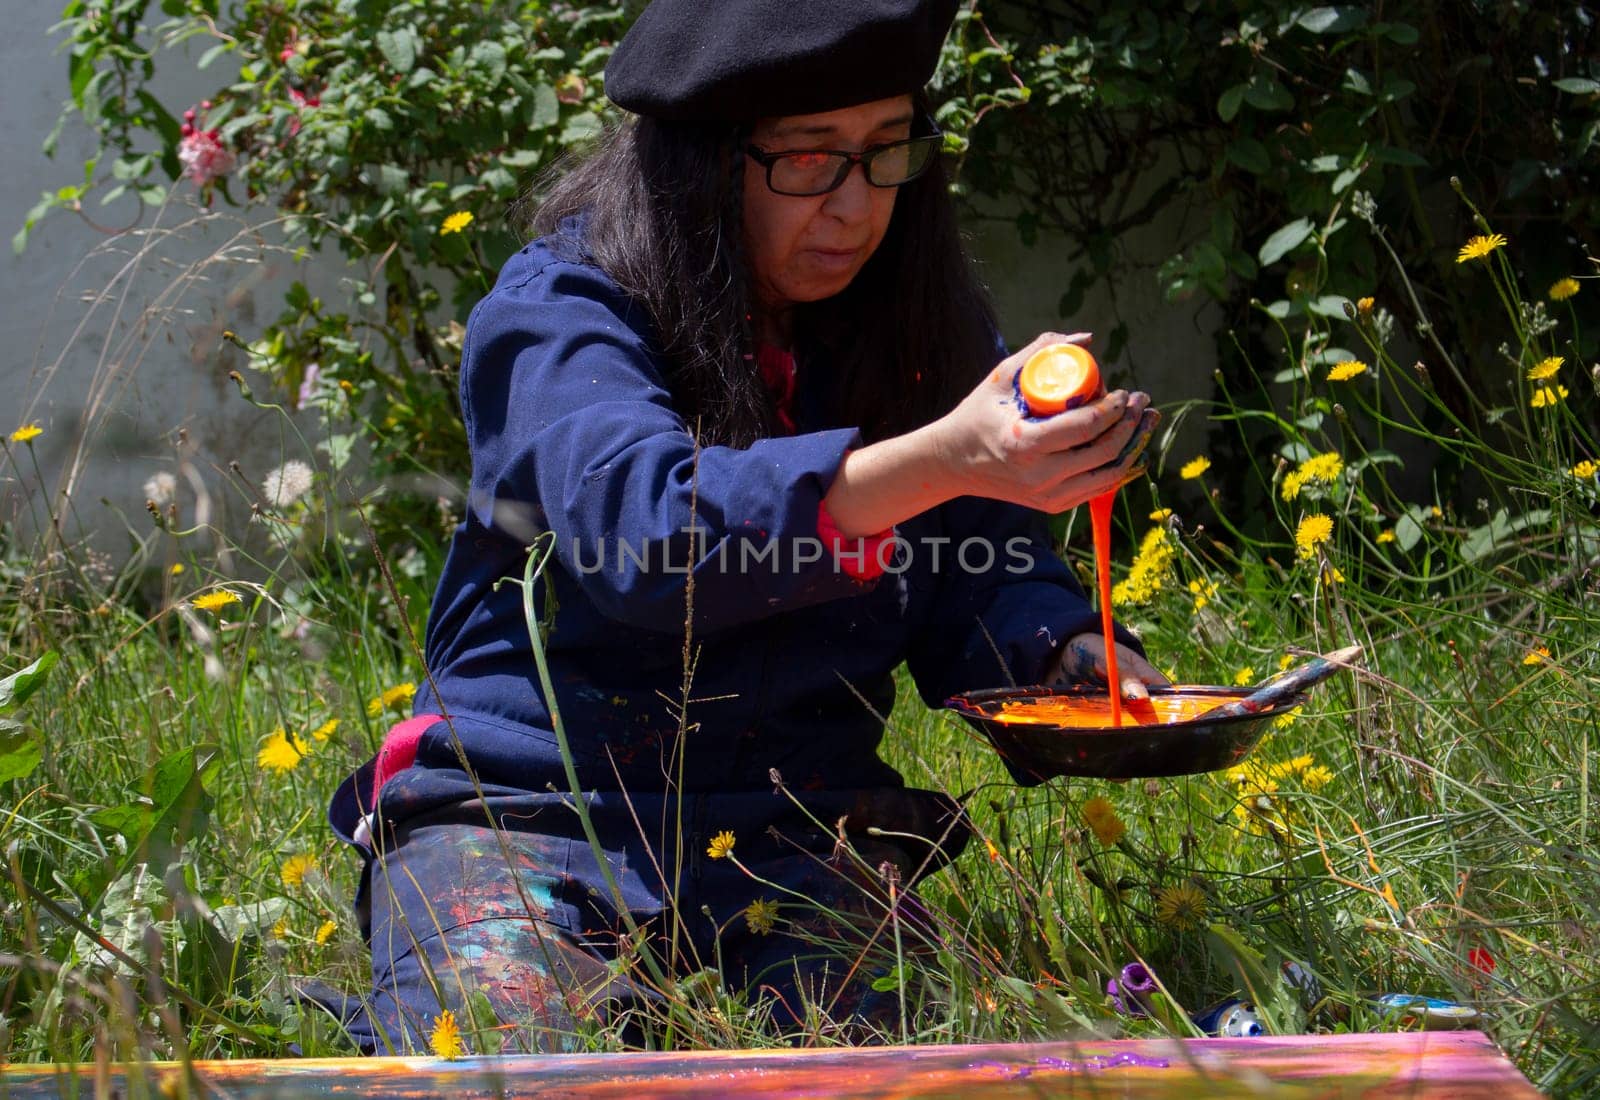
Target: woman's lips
{"points": [[835, 259]]}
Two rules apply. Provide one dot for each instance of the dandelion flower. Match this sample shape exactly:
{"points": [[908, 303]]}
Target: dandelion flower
{"points": [[1181, 906], [1479, 247], [721, 846], [1562, 289], [27, 433], [399, 694], [445, 1038], [160, 487], [1103, 822], [1548, 397], [759, 916], [456, 222], [1345, 370], [295, 868], [1386, 536], [1537, 656], [1194, 468], [1586, 469], [215, 601], [1285, 661], [325, 931], [1545, 368], [176, 570], [1152, 565], [286, 484], [1245, 675], [1315, 777], [1364, 306], [1333, 574], [1202, 591], [1314, 530], [279, 753], [1325, 468], [1161, 515], [324, 731], [1286, 719]]}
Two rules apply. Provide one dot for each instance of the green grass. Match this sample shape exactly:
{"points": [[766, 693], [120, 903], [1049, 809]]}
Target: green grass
{"points": [[1446, 810]]}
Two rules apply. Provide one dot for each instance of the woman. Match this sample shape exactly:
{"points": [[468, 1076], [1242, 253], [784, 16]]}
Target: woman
{"points": [[745, 383]]}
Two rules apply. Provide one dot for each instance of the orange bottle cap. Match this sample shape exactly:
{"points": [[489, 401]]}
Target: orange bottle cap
{"points": [[1058, 377]]}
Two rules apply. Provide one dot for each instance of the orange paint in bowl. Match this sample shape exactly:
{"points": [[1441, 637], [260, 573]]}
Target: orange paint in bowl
{"points": [[1058, 377], [1094, 712]]}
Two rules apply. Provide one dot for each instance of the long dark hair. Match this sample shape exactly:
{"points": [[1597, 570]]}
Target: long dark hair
{"points": [[662, 204]]}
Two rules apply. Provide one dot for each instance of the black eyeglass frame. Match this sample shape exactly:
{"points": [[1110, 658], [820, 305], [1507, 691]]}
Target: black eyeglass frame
{"points": [[769, 159]]}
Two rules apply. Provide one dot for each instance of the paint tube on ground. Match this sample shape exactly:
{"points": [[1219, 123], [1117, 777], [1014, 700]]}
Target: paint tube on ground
{"points": [[1231, 1019], [1433, 1013], [1130, 989]]}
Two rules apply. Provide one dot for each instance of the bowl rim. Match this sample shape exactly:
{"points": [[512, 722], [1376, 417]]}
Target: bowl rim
{"points": [[974, 705]]}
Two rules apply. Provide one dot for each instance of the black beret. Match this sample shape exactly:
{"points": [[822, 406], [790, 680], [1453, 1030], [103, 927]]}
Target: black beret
{"points": [[739, 60]]}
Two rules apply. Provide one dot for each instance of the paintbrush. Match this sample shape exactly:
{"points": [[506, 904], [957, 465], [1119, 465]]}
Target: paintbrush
{"points": [[1269, 693]]}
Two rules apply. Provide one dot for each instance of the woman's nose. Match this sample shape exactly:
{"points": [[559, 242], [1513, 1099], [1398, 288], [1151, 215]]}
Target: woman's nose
{"points": [[851, 200]]}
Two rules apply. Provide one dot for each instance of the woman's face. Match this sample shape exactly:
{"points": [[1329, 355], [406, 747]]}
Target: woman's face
{"points": [[804, 249]]}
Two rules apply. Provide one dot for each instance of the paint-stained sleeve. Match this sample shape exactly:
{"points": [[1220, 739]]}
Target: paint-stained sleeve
{"points": [[572, 431], [1001, 626]]}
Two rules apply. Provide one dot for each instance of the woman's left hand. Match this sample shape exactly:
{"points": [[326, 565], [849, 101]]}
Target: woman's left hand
{"points": [[1083, 661]]}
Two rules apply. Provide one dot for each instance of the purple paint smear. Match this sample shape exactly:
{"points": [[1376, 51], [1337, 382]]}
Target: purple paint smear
{"points": [[1093, 1062]]}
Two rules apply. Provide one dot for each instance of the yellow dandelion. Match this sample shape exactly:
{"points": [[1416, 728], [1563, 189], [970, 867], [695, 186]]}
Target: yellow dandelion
{"points": [[1103, 822], [399, 694], [759, 916], [1314, 530], [325, 931], [1385, 536], [1286, 719], [1202, 591], [1537, 656], [1152, 565], [1182, 906], [1194, 468], [445, 1038], [215, 601], [295, 868], [1586, 469], [1479, 247], [1316, 777], [721, 846], [1324, 468], [1364, 306], [1334, 574], [325, 731], [456, 222], [1545, 368], [176, 570], [279, 753], [1345, 370], [1161, 515], [1245, 675], [1548, 397], [1562, 289], [27, 433], [280, 929], [1285, 661]]}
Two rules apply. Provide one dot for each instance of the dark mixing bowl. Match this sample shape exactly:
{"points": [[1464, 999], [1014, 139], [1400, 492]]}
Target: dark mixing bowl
{"points": [[1129, 752]]}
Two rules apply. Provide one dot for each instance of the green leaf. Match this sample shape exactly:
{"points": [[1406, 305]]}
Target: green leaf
{"points": [[1407, 532], [1228, 102], [1284, 240], [546, 108], [1578, 85], [392, 179], [1265, 94], [1251, 155], [490, 57], [399, 48], [1481, 541], [21, 749], [20, 685], [580, 128], [1401, 34], [1330, 20]]}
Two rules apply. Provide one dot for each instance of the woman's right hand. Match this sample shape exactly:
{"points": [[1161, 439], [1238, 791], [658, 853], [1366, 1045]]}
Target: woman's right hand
{"points": [[986, 447]]}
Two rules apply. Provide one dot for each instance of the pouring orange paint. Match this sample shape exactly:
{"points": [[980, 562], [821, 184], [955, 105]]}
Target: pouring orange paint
{"points": [[1056, 378]]}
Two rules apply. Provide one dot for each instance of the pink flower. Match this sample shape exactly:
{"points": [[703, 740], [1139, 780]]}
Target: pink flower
{"points": [[301, 101], [201, 152]]}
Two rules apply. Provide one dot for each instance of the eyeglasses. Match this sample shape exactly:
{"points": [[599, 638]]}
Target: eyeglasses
{"points": [[818, 171]]}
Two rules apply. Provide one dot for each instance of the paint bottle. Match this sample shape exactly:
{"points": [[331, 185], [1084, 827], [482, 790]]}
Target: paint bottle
{"points": [[1056, 378], [1433, 1013], [1232, 1018]]}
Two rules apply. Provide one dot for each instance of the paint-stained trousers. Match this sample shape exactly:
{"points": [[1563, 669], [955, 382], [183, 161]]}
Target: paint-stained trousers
{"points": [[516, 927]]}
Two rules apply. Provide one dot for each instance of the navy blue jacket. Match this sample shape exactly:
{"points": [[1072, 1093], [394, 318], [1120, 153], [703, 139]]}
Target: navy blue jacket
{"points": [[573, 431]]}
